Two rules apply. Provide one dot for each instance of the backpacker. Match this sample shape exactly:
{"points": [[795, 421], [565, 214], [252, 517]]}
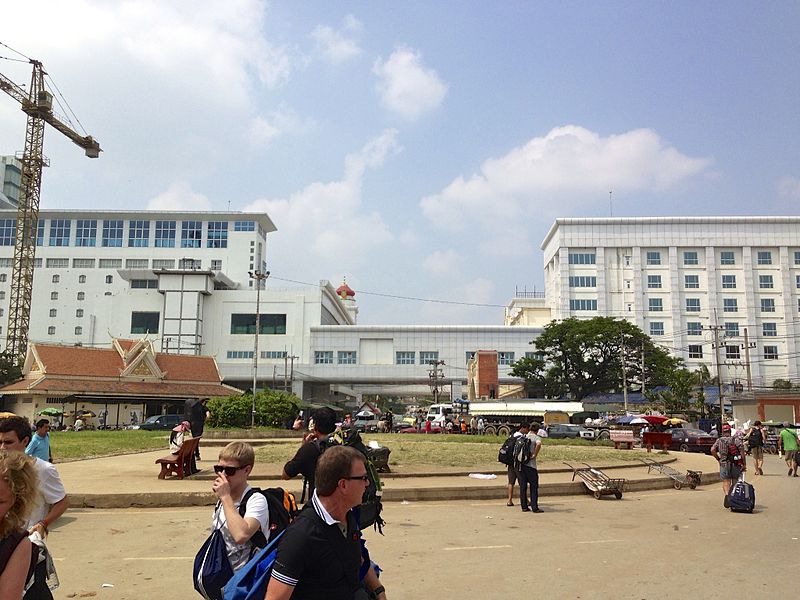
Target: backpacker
{"points": [[282, 511], [734, 455], [742, 496], [755, 439], [369, 512], [522, 450], [506, 453]]}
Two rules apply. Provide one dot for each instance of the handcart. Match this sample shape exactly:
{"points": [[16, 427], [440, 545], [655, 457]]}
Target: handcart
{"points": [[598, 482], [692, 478]]}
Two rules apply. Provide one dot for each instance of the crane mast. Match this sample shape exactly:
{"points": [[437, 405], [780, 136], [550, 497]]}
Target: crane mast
{"points": [[38, 106]]}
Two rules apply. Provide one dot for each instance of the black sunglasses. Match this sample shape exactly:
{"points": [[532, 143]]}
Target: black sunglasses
{"points": [[364, 478], [229, 471]]}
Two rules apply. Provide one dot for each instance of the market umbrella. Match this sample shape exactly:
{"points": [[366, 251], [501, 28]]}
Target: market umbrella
{"points": [[6, 415], [674, 421], [51, 412], [626, 419], [87, 414], [639, 421], [654, 419]]}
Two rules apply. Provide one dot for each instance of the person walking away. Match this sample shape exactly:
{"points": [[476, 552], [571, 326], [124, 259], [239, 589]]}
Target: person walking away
{"points": [[528, 474], [40, 442], [233, 467], [196, 413], [729, 452], [512, 472], [18, 490], [755, 438], [787, 442], [51, 501], [320, 555], [304, 462]]}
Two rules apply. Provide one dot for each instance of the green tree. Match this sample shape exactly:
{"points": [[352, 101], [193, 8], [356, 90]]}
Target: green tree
{"points": [[781, 384], [10, 368], [581, 357], [273, 409], [677, 397]]}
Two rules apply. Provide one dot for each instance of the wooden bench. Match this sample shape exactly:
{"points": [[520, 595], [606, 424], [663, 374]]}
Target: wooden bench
{"points": [[623, 439], [182, 463], [657, 439]]}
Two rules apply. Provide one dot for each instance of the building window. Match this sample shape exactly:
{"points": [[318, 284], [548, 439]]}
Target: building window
{"points": [[53, 295], [57, 263], [797, 257], [191, 234], [165, 234], [765, 282], [764, 257], [144, 284], [770, 353], [270, 324], [81, 278], [404, 358], [695, 351], [81, 295], [86, 233], [582, 281], [690, 258], [56, 278], [109, 279], [655, 304], [693, 305], [53, 312], [216, 265], [767, 305], [653, 258], [731, 329], [427, 357], [144, 322], [579, 304], [191, 264], [163, 263], [727, 258], [657, 328], [239, 354], [40, 233], [83, 263], [136, 263], [732, 353], [691, 282], [112, 234], [79, 313], [505, 358], [654, 281], [730, 305], [217, 234], [797, 281], [323, 357], [770, 329], [2, 294], [78, 330], [273, 354], [346, 357], [582, 258], [59, 232], [138, 234], [51, 330], [694, 328], [8, 232], [470, 355], [728, 282], [3, 277], [244, 226], [6, 263]]}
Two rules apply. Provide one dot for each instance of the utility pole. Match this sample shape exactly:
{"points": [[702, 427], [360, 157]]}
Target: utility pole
{"points": [[435, 374], [642, 369], [747, 347], [624, 371], [716, 329], [258, 277], [285, 371], [291, 373]]}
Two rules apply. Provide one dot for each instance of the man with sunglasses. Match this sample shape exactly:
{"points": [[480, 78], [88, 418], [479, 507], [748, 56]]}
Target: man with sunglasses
{"points": [[233, 467], [320, 555]]}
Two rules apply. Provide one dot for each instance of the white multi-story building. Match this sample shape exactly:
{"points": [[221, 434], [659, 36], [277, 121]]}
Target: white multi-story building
{"points": [[680, 278]]}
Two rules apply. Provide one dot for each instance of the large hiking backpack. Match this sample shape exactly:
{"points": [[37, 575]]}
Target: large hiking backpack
{"points": [[282, 511], [369, 512], [506, 453], [755, 439], [522, 450], [734, 455]]}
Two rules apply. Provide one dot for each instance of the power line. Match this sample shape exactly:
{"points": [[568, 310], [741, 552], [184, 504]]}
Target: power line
{"points": [[28, 58]]}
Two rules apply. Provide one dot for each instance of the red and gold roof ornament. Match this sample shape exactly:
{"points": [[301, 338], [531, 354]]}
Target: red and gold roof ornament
{"points": [[344, 291]]}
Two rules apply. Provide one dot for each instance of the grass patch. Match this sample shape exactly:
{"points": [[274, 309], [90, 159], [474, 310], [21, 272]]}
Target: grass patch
{"points": [[75, 445]]}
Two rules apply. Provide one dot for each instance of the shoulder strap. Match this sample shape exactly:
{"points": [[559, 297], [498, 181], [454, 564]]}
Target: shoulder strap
{"points": [[258, 539]]}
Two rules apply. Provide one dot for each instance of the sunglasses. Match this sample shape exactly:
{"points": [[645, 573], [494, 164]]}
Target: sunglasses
{"points": [[364, 478], [229, 471]]}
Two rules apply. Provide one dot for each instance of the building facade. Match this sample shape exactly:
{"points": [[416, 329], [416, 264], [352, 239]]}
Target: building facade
{"points": [[11, 179], [687, 281]]}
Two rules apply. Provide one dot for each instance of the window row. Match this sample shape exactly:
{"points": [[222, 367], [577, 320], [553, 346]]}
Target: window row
{"points": [[268, 324], [343, 357], [729, 305], [734, 352], [690, 258]]}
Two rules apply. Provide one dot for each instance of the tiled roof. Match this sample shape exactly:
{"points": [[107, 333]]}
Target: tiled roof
{"points": [[59, 385]]}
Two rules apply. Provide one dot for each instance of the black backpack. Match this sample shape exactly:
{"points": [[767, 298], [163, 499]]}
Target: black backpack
{"points": [[522, 450], [282, 511], [755, 439], [506, 453]]}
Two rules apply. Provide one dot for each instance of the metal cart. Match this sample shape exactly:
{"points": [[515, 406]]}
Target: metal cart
{"points": [[692, 478], [598, 482]]}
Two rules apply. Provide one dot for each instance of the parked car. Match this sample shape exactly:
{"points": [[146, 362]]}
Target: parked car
{"points": [[688, 439], [560, 431], [161, 422], [366, 423], [434, 429]]}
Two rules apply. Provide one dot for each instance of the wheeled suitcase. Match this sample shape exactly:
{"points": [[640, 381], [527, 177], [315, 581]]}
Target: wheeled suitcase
{"points": [[742, 497]]}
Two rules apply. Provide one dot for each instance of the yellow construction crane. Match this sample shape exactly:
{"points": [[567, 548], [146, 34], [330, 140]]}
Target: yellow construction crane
{"points": [[37, 103]]}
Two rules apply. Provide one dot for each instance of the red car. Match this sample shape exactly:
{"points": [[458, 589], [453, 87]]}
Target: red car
{"points": [[687, 439], [410, 429]]}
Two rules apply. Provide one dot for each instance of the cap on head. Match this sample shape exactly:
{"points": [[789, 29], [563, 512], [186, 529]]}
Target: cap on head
{"points": [[726, 427]]}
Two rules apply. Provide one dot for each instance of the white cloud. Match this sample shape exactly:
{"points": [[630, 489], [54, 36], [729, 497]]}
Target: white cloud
{"points": [[406, 86], [179, 196], [442, 262], [324, 228], [335, 45], [283, 121], [789, 188], [569, 167]]}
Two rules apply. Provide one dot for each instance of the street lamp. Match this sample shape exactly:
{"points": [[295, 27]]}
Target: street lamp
{"points": [[258, 276]]}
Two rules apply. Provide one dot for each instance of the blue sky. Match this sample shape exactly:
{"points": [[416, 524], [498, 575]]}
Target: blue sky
{"points": [[418, 148]]}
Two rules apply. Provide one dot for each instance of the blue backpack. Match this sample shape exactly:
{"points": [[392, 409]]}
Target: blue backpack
{"points": [[212, 567], [250, 582]]}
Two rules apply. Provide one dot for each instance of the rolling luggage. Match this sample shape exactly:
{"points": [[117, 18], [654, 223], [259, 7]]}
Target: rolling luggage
{"points": [[742, 497]]}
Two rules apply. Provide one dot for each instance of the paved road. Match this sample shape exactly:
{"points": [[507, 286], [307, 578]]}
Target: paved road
{"points": [[662, 544]]}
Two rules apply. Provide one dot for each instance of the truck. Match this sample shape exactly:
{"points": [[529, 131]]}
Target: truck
{"points": [[502, 417]]}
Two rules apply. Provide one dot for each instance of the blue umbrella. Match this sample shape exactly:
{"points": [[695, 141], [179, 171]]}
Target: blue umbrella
{"points": [[626, 419]]}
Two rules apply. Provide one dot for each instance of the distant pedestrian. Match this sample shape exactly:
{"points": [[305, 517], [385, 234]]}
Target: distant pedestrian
{"points": [[427, 425], [481, 426], [512, 472], [787, 441], [528, 473], [473, 426], [40, 442], [304, 461], [729, 451], [463, 426], [755, 437]]}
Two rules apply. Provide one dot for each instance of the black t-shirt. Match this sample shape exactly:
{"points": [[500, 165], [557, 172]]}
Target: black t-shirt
{"points": [[304, 462], [320, 562], [195, 413]]}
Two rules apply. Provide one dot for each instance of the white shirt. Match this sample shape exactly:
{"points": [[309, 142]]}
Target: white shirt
{"points": [[256, 509], [51, 490]]}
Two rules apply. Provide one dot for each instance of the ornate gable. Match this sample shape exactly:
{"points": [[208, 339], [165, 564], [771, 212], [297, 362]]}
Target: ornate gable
{"points": [[140, 362]]}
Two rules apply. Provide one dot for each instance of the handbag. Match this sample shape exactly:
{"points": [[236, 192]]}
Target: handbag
{"points": [[250, 582], [212, 567]]}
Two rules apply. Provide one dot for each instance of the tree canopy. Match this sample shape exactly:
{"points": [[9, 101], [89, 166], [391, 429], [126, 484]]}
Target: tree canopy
{"points": [[576, 358]]}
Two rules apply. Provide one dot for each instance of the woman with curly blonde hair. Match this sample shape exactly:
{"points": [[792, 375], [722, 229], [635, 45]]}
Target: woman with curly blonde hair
{"points": [[18, 490]]}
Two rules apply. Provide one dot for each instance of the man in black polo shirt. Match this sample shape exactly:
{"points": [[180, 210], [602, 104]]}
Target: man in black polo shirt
{"points": [[319, 556], [304, 461]]}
